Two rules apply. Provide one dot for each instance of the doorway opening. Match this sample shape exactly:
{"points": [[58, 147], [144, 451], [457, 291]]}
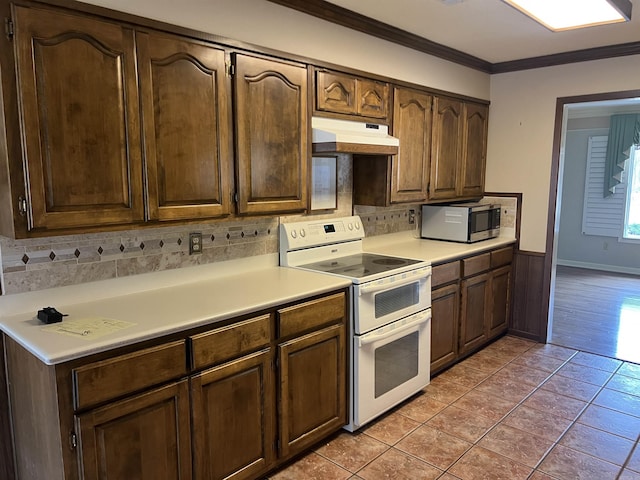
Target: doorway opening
{"points": [[593, 271]]}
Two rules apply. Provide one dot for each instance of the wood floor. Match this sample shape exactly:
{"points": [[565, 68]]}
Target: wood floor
{"points": [[597, 312]]}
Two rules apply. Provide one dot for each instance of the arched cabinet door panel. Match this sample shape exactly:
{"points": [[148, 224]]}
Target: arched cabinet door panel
{"points": [[78, 98], [446, 148], [412, 125], [474, 158], [272, 135], [187, 127]]}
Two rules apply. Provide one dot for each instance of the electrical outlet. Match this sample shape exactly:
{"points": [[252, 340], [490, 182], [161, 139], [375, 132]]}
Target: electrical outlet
{"points": [[412, 216], [195, 243]]}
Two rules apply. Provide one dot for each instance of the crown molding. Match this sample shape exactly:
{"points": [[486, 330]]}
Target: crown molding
{"points": [[347, 18]]}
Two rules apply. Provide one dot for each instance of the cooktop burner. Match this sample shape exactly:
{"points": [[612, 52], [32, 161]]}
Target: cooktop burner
{"points": [[360, 265]]}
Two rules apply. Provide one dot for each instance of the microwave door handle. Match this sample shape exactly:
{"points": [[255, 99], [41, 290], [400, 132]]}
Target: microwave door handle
{"points": [[385, 286], [374, 337]]}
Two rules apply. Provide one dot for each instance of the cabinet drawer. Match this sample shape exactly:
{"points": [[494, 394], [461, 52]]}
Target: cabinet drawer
{"points": [[445, 273], [501, 257], [310, 315], [108, 379], [476, 264], [229, 342]]}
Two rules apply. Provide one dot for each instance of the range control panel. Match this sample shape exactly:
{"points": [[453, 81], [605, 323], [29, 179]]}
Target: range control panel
{"points": [[295, 236]]}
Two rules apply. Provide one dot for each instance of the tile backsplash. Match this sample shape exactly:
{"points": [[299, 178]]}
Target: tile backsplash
{"points": [[39, 263]]}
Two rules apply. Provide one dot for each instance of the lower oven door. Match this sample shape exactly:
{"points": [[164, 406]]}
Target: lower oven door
{"points": [[390, 364]]}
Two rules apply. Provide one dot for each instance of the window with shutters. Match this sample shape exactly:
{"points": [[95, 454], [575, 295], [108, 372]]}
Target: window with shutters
{"points": [[631, 230], [619, 214]]}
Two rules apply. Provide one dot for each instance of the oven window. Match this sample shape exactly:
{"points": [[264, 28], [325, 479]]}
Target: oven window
{"points": [[396, 363], [396, 299]]}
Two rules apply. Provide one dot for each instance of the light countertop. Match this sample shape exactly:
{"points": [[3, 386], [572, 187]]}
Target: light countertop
{"points": [[158, 307], [406, 244], [157, 304]]}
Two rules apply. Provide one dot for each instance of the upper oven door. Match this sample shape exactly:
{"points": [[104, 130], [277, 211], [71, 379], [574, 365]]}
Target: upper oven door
{"points": [[383, 301]]}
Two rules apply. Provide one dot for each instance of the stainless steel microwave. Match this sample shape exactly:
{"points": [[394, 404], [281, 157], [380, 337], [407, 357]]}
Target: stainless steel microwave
{"points": [[462, 222]]}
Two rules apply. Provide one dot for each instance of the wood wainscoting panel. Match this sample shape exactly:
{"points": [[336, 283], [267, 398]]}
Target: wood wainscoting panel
{"points": [[528, 313]]}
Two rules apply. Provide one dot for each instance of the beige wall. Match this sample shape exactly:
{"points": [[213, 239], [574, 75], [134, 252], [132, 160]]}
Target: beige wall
{"points": [[521, 124], [269, 25]]}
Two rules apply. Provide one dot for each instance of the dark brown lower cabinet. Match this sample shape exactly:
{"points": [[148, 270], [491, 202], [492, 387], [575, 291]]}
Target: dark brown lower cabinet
{"points": [[145, 436], [233, 419], [476, 298], [500, 300], [200, 404], [312, 388], [470, 304], [445, 303]]}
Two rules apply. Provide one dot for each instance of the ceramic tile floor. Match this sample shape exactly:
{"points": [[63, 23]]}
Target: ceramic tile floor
{"points": [[515, 410]]}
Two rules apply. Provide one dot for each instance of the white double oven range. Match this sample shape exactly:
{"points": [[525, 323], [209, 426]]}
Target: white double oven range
{"points": [[390, 331]]}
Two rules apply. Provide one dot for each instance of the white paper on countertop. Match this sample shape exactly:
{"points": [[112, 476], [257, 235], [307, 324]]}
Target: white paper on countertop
{"points": [[88, 328]]}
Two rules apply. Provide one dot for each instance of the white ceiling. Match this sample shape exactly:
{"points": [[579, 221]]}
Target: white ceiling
{"points": [[490, 29]]}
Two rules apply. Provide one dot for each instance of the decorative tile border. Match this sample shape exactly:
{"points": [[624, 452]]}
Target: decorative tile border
{"points": [[34, 264]]}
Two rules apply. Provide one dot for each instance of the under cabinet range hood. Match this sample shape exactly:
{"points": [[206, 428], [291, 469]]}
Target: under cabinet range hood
{"points": [[346, 136]]}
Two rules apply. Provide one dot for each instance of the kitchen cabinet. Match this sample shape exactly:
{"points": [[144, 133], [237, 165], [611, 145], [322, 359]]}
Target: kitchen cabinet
{"points": [[233, 407], [350, 95], [382, 180], [470, 301], [145, 436], [225, 402], [501, 261], [475, 295], [459, 146], [273, 147], [442, 154], [474, 150], [128, 126], [186, 108], [79, 111], [445, 308], [312, 386], [233, 418], [485, 297], [446, 148], [412, 125]]}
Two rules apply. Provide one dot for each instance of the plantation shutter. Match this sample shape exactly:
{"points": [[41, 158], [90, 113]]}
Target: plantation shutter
{"points": [[601, 216]]}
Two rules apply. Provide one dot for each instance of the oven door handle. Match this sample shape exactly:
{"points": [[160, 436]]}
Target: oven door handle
{"points": [[367, 289], [417, 319]]}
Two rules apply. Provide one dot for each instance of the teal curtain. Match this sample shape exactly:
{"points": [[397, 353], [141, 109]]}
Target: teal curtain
{"points": [[624, 133]]}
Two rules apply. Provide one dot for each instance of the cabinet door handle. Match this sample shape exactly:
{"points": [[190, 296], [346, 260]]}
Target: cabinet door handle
{"points": [[22, 205]]}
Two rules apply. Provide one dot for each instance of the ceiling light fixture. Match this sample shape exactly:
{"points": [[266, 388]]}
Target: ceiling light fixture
{"points": [[558, 15]]}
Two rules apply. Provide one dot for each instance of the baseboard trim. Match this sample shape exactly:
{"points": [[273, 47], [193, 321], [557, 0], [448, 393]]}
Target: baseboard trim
{"points": [[597, 266]]}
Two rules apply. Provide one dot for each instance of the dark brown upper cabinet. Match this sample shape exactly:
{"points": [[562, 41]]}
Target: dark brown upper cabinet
{"points": [[186, 114], [446, 148], [381, 180], [78, 100], [474, 150], [273, 147], [412, 125], [459, 149], [354, 96]]}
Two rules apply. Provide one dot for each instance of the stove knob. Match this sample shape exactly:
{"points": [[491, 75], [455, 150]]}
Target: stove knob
{"points": [[357, 225], [303, 233], [294, 234], [350, 226]]}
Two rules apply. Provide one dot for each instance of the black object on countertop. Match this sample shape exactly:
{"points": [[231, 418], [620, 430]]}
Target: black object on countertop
{"points": [[50, 315]]}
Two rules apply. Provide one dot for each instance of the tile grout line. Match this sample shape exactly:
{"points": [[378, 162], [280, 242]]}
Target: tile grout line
{"points": [[534, 469]]}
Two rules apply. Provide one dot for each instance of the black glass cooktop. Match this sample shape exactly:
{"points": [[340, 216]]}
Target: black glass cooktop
{"points": [[360, 265]]}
